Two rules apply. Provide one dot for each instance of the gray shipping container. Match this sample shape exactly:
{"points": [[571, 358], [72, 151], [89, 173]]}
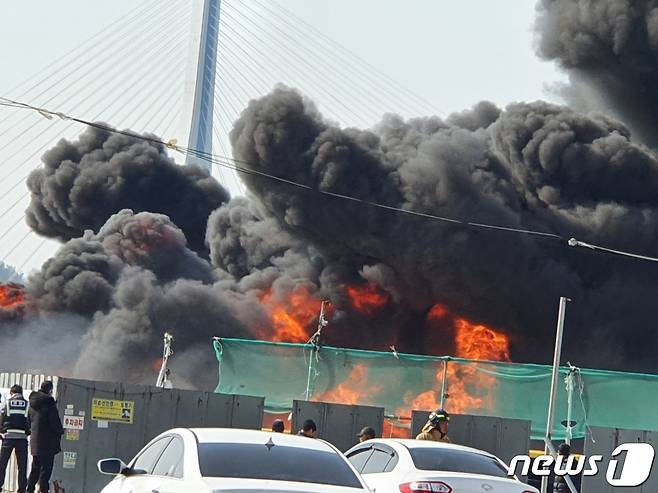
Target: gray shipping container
{"points": [[505, 438], [95, 428], [604, 442], [338, 423], [95, 431]]}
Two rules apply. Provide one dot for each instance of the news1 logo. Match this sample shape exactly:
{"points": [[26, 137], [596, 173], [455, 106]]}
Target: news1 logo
{"points": [[634, 470]]}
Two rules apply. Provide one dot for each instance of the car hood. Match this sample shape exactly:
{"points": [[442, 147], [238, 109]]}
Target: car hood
{"points": [[228, 485]]}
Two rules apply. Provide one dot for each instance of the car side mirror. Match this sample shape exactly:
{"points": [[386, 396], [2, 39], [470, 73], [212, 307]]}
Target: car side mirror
{"points": [[113, 467]]}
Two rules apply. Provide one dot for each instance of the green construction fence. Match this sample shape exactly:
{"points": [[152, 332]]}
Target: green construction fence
{"points": [[283, 372]]}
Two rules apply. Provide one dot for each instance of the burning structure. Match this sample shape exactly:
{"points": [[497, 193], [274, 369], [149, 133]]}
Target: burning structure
{"points": [[12, 302], [149, 246]]}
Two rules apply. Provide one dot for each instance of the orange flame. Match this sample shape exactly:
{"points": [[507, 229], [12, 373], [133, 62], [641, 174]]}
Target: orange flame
{"points": [[437, 311], [480, 342], [394, 430], [367, 299], [11, 296], [12, 301], [157, 364], [469, 390], [427, 400], [269, 418], [351, 391], [290, 318]]}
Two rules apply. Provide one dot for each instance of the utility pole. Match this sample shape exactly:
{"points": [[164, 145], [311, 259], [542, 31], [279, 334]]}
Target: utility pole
{"points": [[444, 383], [548, 447]]}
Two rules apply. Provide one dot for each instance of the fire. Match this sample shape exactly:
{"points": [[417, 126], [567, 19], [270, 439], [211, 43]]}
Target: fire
{"points": [[11, 296], [269, 418], [291, 318], [468, 389], [480, 342], [157, 364], [12, 301], [367, 299], [437, 311], [351, 391], [392, 429], [426, 400]]}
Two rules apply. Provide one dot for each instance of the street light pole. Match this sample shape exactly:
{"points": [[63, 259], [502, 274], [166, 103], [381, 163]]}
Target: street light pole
{"points": [[444, 382], [554, 383]]}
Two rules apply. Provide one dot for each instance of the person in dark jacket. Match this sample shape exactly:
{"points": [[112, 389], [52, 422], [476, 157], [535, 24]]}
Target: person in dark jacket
{"points": [[559, 483], [367, 433], [278, 426], [45, 441], [15, 428], [309, 429]]}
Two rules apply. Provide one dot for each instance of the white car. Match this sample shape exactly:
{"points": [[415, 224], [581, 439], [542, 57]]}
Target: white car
{"points": [[206, 460], [419, 466]]}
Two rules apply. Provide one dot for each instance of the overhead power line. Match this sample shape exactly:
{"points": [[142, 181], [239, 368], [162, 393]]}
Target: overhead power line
{"points": [[337, 67], [234, 164], [576, 243]]}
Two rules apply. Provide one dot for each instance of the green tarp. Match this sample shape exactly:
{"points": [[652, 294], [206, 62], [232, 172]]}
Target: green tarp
{"points": [[402, 382]]}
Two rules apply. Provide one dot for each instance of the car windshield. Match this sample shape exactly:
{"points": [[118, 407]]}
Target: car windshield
{"points": [[279, 463], [451, 460]]}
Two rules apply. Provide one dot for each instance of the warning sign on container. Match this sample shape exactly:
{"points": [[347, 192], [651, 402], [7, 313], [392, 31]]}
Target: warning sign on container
{"points": [[111, 410], [70, 459], [73, 435], [74, 423]]}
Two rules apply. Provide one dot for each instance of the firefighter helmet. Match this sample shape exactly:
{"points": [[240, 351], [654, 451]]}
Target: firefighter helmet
{"points": [[438, 416]]}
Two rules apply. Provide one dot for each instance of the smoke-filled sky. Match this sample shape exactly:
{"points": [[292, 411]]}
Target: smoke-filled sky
{"points": [[131, 265], [453, 53]]}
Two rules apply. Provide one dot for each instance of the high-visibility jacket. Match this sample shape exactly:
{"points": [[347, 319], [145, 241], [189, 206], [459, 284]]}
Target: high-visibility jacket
{"points": [[15, 417]]}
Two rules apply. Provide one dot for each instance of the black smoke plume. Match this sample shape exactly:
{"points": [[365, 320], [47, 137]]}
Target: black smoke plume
{"points": [[150, 246], [532, 166], [610, 50], [84, 182]]}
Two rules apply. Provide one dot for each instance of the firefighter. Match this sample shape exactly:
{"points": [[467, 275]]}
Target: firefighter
{"points": [[436, 428], [15, 430]]}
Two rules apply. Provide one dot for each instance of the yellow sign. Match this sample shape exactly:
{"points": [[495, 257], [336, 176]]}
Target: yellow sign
{"points": [[111, 410], [73, 434]]}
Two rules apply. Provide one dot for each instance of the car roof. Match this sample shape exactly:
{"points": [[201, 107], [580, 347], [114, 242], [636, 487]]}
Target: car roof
{"points": [[233, 435], [419, 444]]}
